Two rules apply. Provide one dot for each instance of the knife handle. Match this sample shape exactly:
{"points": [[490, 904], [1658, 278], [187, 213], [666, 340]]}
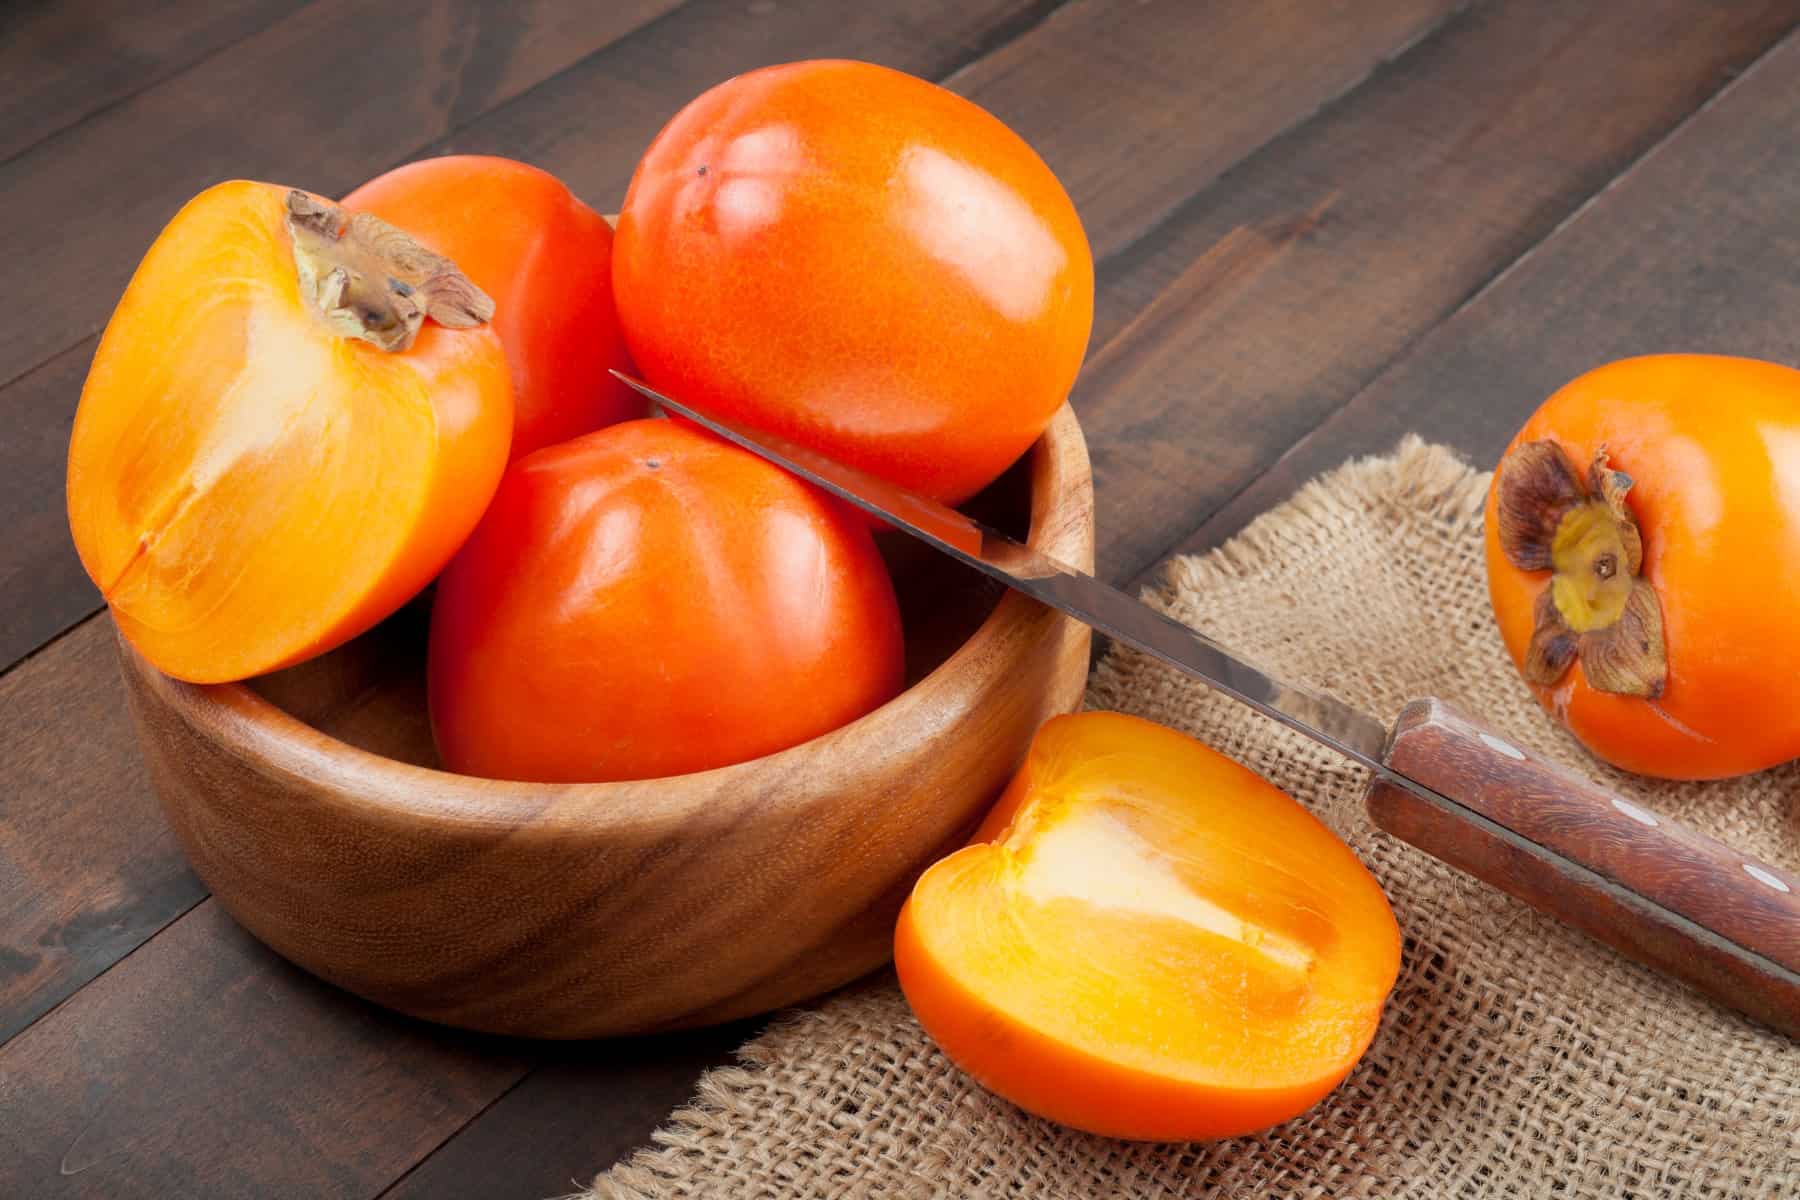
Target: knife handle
{"points": [[1657, 891]]}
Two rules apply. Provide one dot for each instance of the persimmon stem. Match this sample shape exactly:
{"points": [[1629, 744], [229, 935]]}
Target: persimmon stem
{"points": [[370, 281], [1596, 608]]}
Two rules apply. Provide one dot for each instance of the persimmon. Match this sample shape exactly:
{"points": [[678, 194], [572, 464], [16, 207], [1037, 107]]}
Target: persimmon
{"points": [[1148, 940], [862, 262], [1643, 555], [649, 600], [546, 259], [293, 419]]}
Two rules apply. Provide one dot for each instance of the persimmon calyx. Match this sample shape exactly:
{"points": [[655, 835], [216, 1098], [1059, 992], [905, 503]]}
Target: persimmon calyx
{"points": [[368, 280], [1595, 607]]}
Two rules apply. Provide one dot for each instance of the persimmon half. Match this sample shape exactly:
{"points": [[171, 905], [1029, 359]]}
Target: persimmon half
{"points": [[859, 261], [546, 259], [292, 421], [1147, 940], [1643, 557], [650, 600]]}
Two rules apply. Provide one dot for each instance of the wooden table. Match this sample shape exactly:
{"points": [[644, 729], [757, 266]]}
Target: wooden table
{"points": [[1318, 226]]}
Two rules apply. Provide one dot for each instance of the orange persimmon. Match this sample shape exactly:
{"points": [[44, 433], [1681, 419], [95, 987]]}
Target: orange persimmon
{"points": [[1147, 940], [546, 259], [292, 421], [1643, 555], [862, 262], [650, 600]]}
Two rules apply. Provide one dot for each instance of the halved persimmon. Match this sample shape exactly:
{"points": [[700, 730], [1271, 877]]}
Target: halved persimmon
{"points": [[1147, 940], [292, 421]]}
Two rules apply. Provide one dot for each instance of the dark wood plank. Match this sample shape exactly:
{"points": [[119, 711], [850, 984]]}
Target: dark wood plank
{"points": [[585, 1109], [88, 869], [1692, 251], [1268, 300], [1137, 107], [59, 63], [212, 1068], [325, 98], [1127, 142], [43, 589]]}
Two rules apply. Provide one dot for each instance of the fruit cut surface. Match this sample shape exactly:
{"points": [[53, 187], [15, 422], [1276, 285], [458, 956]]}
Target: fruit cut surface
{"points": [[1147, 940], [248, 487]]}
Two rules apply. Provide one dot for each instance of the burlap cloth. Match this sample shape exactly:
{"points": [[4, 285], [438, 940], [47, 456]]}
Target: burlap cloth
{"points": [[1515, 1057]]}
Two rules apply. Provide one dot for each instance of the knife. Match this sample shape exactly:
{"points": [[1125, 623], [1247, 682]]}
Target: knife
{"points": [[1658, 892]]}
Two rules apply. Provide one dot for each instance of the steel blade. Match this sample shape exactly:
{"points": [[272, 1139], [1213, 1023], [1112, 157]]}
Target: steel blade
{"points": [[1121, 617]]}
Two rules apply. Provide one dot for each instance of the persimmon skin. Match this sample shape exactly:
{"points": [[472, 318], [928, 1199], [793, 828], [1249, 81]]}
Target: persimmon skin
{"points": [[1712, 445], [647, 601], [861, 261], [248, 488], [1050, 1062], [546, 259]]}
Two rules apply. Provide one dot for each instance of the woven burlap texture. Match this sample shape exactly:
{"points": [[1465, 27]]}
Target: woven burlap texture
{"points": [[1515, 1057]]}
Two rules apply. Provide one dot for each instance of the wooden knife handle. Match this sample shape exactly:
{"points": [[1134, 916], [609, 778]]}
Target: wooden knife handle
{"points": [[1654, 890]]}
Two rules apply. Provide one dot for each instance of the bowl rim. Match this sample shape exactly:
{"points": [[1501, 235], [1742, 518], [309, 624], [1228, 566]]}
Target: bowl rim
{"points": [[242, 724]]}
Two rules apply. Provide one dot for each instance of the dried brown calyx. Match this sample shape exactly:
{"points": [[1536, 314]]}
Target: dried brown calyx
{"points": [[371, 281], [1596, 608]]}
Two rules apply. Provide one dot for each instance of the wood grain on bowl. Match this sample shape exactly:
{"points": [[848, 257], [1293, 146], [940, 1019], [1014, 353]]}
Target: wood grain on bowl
{"points": [[311, 806]]}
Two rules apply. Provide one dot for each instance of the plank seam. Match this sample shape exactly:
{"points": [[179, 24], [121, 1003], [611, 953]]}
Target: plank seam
{"points": [[1143, 576], [116, 101]]}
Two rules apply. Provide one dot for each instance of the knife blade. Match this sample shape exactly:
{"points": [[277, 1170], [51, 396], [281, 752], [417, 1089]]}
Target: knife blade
{"points": [[1663, 894]]}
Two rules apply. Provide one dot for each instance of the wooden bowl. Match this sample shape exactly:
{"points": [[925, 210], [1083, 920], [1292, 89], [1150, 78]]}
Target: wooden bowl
{"points": [[310, 803]]}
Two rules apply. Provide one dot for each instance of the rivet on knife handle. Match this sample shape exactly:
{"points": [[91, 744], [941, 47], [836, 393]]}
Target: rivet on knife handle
{"points": [[1657, 891]]}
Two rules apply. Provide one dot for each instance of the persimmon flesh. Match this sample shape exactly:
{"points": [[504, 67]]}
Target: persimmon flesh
{"points": [[546, 259], [281, 438], [1147, 940]]}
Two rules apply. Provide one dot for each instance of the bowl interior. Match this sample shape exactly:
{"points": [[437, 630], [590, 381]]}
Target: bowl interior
{"points": [[370, 692]]}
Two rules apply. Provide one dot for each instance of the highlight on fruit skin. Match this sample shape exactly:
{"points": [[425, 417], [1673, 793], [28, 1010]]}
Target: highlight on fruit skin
{"points": [[649, 600], [862, 262], [1146, 940], [293, 419], [1643, 562]]}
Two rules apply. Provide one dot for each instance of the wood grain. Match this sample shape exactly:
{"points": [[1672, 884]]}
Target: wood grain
{"points": [[61, 63], [338, 95], [1269, 299], [587, 1107], [1688, 251], [88, 868], [134, 1089], [575, 911], [1653, 889], [1171, 94]]}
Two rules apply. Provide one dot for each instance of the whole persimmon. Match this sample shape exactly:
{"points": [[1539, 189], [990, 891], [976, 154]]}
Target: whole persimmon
{"points": [[546, 259], [862, 262], [1643, 555], [1147, 940], [649, 600], [293, 419]]}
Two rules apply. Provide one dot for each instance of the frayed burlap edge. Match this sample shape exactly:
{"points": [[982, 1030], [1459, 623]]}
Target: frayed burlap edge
{"points": [[1516, 1058]]}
